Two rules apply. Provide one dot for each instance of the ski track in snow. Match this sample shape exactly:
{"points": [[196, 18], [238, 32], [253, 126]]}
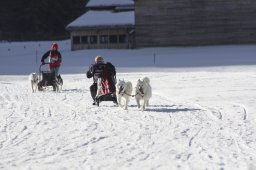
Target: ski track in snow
{"points": [[184, 128]]}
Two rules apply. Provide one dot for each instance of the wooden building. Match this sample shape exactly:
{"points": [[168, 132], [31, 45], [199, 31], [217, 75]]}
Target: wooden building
{"points": [[194, 22], [106, 24]]}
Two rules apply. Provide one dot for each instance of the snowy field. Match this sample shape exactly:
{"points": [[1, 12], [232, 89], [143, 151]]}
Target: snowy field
{"points": [[202, 114]]}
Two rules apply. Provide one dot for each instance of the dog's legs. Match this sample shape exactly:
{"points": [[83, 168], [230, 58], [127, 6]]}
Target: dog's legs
{"points": [[144, 103], [35, 87], [57, 87], [60, 82], [147, 103], [32, 86], [119, 100], [138, 102], [126, 103]]}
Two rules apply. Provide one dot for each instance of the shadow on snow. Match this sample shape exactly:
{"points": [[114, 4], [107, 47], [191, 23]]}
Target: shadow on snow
{"points": [[166, 108]]}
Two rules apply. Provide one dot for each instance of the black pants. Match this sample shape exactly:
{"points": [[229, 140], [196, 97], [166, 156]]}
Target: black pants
{"points": [[93, 90]]}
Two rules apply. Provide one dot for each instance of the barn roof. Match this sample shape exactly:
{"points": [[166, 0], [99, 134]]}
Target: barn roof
{"points": [[103, 19], [105, 3]]}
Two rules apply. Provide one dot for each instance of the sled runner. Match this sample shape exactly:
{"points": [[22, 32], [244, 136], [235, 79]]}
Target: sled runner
{"points": [[105, 87], [47, 78]]}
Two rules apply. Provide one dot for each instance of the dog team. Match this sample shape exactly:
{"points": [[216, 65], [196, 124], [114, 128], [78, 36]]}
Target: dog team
{"points": [[51, 77], [33, 79], [143, 93]]}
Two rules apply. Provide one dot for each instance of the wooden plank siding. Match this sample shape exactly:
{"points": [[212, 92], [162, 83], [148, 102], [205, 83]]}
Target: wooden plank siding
{"points": [[194, 22]]}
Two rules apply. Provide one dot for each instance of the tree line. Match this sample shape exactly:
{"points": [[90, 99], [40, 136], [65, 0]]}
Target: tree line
{"points": [[22, 20]]}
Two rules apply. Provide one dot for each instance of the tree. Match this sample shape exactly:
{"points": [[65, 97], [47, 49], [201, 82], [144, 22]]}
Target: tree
{"points": [[39, 19]]}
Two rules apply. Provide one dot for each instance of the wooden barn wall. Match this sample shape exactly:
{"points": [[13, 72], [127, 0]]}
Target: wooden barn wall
{"points": [[194, 22]]}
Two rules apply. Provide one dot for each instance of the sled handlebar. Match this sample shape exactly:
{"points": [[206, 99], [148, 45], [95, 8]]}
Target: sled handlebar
{"points": [[42, 65]]}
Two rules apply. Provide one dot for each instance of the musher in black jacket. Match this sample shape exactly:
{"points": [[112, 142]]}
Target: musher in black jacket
{"points": [[96, 71]]}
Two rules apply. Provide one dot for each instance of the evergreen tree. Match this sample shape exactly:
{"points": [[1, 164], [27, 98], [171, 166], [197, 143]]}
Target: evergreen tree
{"points": [[38, 19]]}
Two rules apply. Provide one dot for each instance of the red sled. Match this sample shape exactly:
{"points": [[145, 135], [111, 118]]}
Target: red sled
{"points": [[106, 85]]}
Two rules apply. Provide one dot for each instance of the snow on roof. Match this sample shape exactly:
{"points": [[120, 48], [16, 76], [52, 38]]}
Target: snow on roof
{"points": [[93, 3], [103, 19]]}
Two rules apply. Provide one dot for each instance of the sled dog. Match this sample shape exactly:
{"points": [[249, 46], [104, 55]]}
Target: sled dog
{"points": [[143, 92], [123, 93], [33, 80], [60, 82]]}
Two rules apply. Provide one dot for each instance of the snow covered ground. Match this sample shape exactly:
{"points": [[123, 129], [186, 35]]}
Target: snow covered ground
{"points": [[202, 114]]}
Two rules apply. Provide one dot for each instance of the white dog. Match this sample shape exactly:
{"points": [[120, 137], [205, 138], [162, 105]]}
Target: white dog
{"points": [[123, 93], [143, 92], [33, 79]]}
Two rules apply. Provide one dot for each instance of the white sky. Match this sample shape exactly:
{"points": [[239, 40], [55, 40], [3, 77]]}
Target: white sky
{"points": [[201, 114]]}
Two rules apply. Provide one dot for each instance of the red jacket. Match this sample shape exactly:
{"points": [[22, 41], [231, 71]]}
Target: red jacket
{"points": [[54, 58]]}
